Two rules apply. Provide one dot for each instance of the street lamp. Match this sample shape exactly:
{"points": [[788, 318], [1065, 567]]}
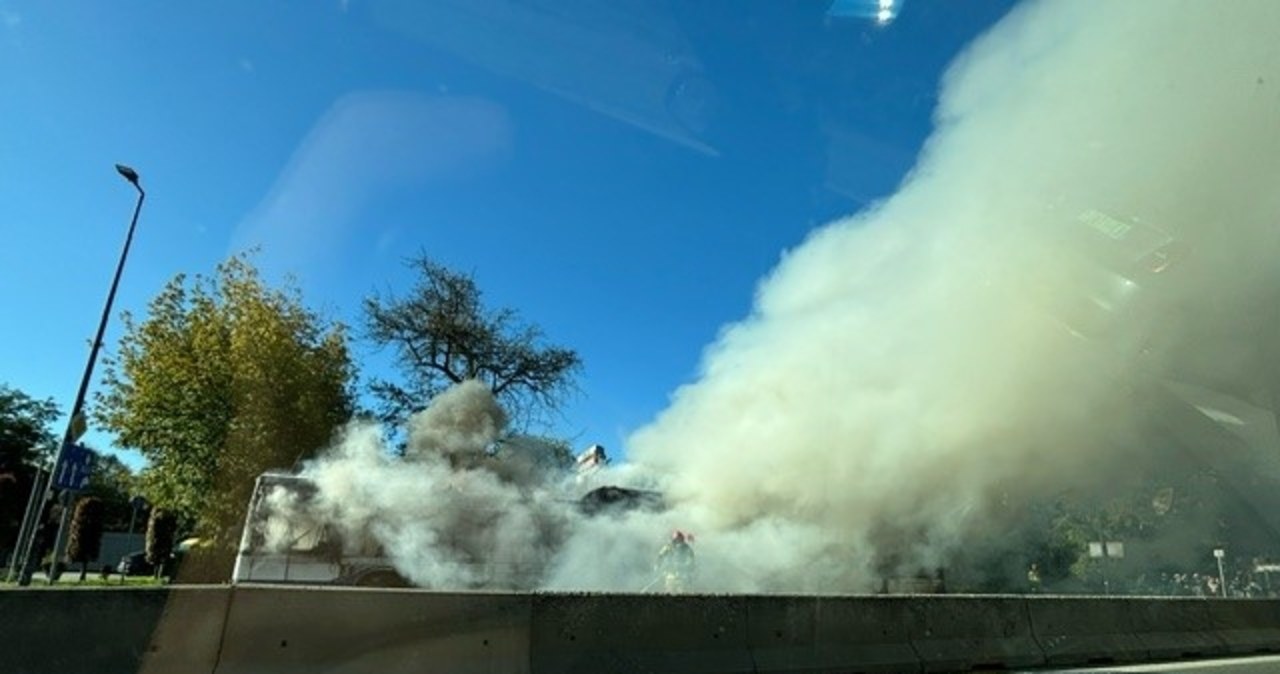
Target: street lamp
{"points": [[76, 422], [129, 174]]}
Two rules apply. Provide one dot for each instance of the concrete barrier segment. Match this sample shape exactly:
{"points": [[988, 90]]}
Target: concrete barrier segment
{"points": [[286, 630], [639, 633]]}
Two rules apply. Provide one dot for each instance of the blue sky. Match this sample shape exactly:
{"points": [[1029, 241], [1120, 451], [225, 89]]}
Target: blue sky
{"points": [[622, 173]]}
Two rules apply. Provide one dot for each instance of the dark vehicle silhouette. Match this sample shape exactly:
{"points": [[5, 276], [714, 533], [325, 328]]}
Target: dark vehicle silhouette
{"points": [[619, 499]]}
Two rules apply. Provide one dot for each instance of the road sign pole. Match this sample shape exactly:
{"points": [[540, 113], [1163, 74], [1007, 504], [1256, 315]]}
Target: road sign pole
{"points": [[60, 538], [71, 477], [29, 519], [1219, 553]]}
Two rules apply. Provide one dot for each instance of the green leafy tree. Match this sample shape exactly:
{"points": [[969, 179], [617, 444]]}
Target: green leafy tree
{"points": [[1162, 521], [26, 439], [25, 435], [115, 484], [223, 380], [443, 334], [85, 540]]}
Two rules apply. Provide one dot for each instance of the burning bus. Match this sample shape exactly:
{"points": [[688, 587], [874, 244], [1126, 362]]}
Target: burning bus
{"points": [[280, 547], [284, 541]]}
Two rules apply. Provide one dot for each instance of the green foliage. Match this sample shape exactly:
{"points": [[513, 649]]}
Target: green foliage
{"points": [[1164, 523], [26, 439], [85, 539], [113, 581], [224, 379], [1166, 518], [161, 531], [25, 435], [443, 334], [115, 485]]}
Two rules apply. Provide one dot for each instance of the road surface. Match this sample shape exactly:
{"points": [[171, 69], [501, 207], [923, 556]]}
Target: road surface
{"points": [[1261, 664]]}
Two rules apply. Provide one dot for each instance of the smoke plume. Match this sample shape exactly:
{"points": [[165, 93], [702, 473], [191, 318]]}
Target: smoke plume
{"points": [[1092, 224], [448, 513], [1096, 210]]}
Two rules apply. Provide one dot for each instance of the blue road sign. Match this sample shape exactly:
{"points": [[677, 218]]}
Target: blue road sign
{"points": [[75, 468]]}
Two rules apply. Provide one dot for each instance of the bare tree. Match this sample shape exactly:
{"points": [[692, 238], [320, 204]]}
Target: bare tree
{"points": [[443, 334]]}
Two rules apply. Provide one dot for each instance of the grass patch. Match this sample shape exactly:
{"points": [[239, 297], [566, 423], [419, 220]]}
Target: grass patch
{"points": [[72, 581], [131, 581]]}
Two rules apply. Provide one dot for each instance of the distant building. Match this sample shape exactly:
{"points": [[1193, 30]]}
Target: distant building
{"points": [[117, 544]]}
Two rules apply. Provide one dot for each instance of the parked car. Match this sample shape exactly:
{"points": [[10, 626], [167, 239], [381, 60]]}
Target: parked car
{"points": [[135, 564]]}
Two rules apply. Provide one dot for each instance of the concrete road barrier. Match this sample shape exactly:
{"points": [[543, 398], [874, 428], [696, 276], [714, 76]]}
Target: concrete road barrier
{"points": [[966, 633], [223, 630], [1085, 630], [1246, 625], [291, 630], [1175, 628], [188, 636], [829, 634], [639, 633], [77, 631]]}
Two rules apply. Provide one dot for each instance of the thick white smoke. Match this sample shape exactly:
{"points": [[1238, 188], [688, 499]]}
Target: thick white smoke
{"points": [[906, 367], [447, 514], [1096, 210]]}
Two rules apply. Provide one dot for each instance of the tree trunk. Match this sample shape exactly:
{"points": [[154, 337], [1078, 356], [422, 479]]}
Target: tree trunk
{"points": [[84, 569]]}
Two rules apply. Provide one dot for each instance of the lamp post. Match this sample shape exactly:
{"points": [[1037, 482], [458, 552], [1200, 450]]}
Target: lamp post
{"points": [[76, 423]]}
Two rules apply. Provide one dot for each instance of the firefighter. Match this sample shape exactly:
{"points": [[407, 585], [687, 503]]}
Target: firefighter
{"points": [[1033, 578], [675, 564]]}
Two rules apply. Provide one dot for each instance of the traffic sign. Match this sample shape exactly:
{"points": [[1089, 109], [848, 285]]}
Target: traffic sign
{"points": [[79, 424], [75, 468]]}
